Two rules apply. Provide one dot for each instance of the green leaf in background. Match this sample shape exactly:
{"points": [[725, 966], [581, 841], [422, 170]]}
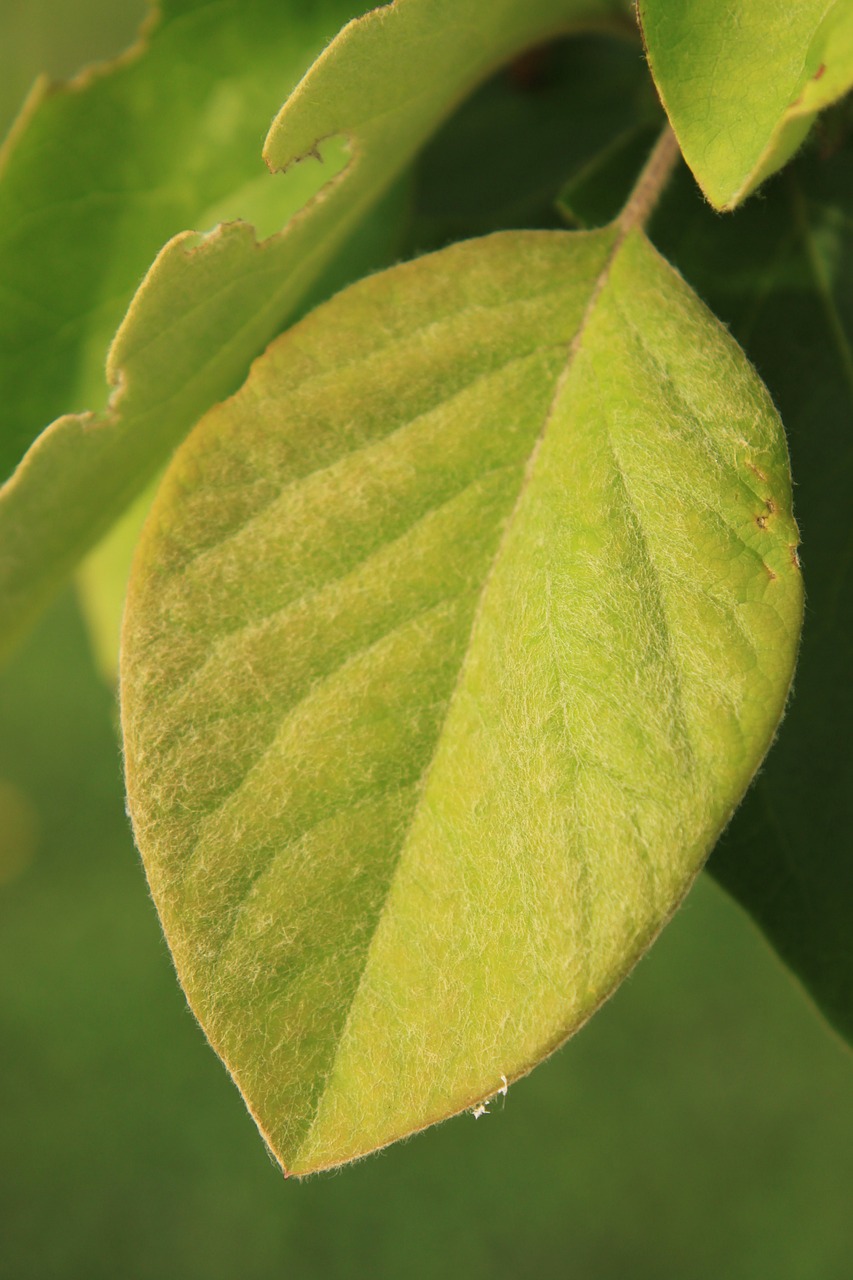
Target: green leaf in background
{"points": [[209, 303], [452, 642], [96, 176], [742, 81], [780, 273], [99, 173], [101, 583], [584, 107]]}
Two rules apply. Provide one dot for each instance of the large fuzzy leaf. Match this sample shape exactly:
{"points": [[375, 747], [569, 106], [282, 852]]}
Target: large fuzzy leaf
{"points": [[207, 305], [452, 642], [742, 81]]}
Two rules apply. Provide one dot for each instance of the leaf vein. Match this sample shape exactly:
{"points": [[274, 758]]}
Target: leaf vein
{"points": [[230, 639], [289, 712]]}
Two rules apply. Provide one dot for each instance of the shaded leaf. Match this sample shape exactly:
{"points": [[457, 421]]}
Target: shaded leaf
{"points": [[452, 641], [209, 304], [742, 81], [500, 161], [96, 176], [101, 172]]}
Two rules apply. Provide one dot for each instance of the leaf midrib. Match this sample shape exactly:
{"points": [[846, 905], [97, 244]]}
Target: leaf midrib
{"points": [[622, 233]]}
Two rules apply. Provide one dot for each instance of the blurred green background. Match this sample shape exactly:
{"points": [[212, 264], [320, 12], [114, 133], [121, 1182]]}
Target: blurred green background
{"points": [[701, 1126], [58, 37]]}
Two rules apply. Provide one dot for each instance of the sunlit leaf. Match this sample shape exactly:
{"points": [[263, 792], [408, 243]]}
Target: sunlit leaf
{"points": [[742, 81], [452, 642]]}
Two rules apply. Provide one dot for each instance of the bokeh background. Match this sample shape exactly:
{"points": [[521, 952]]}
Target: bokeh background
{"points": [[700, 1126]]}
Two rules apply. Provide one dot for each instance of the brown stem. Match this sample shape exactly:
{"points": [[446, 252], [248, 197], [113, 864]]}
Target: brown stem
{"points": [[650, 185]]}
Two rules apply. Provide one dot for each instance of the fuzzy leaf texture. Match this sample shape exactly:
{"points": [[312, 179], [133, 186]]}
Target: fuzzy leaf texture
{"points": [[208, 304], [742, 81], [452, 641]]}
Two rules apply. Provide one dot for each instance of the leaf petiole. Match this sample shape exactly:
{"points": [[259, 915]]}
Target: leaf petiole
{"points": [[650, 184]]}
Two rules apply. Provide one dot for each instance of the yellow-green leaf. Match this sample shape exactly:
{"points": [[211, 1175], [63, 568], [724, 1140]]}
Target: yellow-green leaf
{"points": [[742, 81], [452, 642]]}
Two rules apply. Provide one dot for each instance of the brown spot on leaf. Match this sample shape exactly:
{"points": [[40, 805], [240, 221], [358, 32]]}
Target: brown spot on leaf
{"points": [[764, 519]]}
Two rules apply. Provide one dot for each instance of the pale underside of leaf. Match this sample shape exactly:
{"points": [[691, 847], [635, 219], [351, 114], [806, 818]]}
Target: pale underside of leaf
{"points": [[742, 82], [452, 642], [207, 306]]}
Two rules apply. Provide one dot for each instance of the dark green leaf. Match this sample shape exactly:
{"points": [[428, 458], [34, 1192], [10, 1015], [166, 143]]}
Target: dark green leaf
{"points": [[781, 273]]}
